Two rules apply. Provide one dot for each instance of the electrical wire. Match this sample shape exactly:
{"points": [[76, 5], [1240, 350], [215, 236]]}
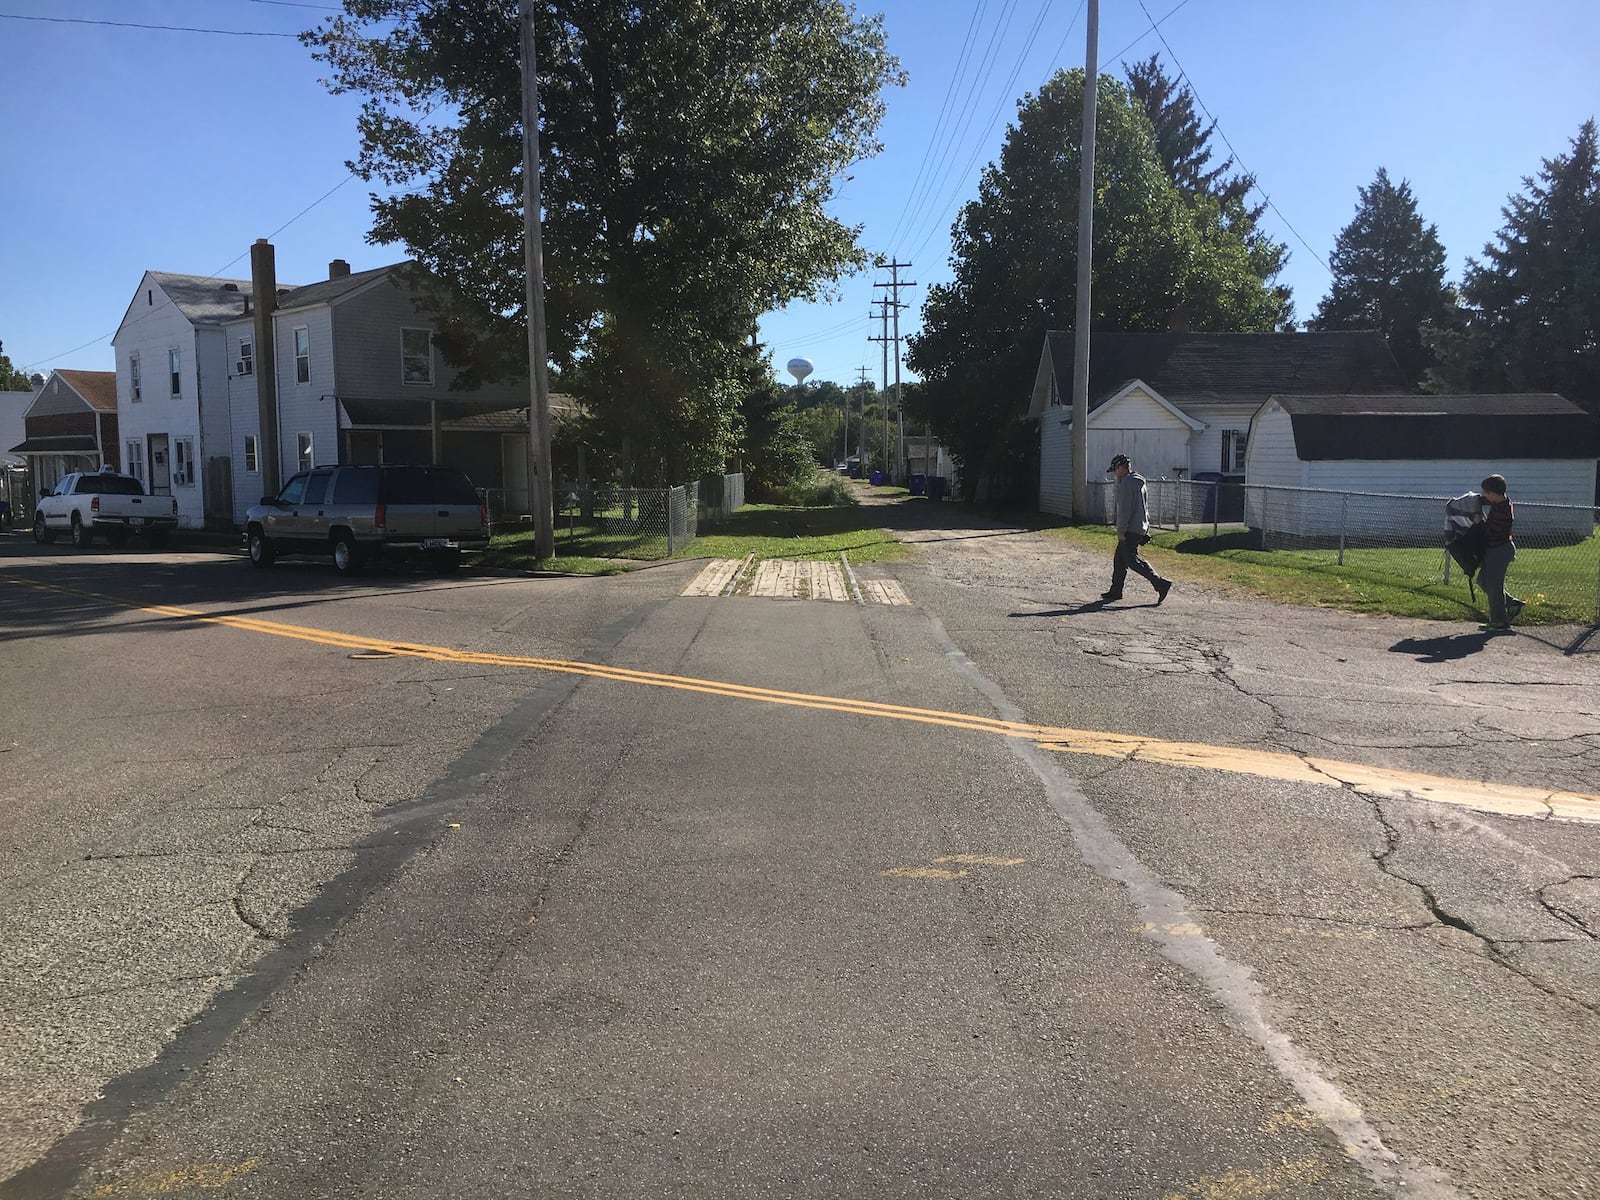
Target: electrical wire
{"points": [[138, 25]]}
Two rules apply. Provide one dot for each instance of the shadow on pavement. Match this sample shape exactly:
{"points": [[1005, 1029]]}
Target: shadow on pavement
{"points": [[1449, 648]]}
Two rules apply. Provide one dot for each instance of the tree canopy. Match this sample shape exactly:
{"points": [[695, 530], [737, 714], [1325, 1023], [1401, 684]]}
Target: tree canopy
{"points": [[11, 379], [1388, 274], [1160, 257], [688, 150], [1530, 311]]}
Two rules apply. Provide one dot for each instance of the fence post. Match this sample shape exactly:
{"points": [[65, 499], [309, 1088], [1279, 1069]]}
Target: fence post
{"points": [[1344, 520], [1216, 509], [671, 496]]}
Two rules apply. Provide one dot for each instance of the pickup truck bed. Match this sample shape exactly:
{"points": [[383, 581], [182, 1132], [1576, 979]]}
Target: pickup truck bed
{"points": [[90, 503]]}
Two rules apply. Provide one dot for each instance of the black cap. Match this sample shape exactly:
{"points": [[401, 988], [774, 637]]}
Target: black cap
{"points": [[1120, 460]]}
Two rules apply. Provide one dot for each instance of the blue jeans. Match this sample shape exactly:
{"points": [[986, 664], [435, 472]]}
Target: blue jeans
{"points": [[1492, 579]]}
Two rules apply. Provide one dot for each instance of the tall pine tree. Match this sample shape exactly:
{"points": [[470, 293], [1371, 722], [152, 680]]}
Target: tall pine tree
{"points": [[1388, 274], [1530, 318]]}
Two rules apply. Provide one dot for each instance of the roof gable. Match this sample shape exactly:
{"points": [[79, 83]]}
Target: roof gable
{"points": [[331, 291], [1100, 414], [96, 390]]}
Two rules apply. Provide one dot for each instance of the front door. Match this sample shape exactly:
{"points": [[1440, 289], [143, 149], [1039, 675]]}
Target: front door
{"points": [[160, 465]]}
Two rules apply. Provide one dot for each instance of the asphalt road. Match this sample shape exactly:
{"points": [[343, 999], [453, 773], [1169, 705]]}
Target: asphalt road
{"points": [[579, 887]]}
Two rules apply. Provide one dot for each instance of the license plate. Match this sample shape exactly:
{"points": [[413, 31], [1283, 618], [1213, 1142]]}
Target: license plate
{"points": [[438, 544], [135, 520]]}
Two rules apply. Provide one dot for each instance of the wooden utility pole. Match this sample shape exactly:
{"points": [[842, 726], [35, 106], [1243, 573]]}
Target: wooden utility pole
{"points": [[892, 304], [1080, 340], [540, 484], [883, 396]]}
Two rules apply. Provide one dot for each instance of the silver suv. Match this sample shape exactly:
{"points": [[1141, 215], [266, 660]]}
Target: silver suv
{"points": [[357, 513]]}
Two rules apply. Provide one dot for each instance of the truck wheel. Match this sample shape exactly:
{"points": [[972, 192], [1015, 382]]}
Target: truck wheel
{"points": [[262, 553], [346, 558], [41, 533], [82, 535]]}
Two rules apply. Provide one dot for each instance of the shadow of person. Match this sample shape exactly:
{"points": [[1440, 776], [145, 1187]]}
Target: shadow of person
{"points": [[1443, 649], [1087, 607]]}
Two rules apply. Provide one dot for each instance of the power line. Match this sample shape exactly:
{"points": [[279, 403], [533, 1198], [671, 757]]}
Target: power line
{"points": [[1153, 29], [1185, 77], [300, 4], [137, 25]]}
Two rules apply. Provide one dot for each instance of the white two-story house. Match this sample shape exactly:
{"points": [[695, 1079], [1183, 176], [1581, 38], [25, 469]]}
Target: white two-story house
{"points": [[174, 356]]}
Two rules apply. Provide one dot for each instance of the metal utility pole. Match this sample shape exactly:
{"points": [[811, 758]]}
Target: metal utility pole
{"points": [[1080, 340], [892, 304], [539, 468]]}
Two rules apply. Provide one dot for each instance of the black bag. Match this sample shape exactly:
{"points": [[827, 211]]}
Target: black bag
{"points": [[1466, 539]]}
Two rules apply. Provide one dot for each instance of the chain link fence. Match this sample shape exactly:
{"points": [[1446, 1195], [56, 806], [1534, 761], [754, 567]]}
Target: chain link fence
{"points": [[1399, 537], [611, 520]]}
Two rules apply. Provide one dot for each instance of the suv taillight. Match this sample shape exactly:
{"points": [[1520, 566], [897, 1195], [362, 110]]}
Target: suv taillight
{"points": [[378, 516], [94, 505], [483, 515], [174, 506]]}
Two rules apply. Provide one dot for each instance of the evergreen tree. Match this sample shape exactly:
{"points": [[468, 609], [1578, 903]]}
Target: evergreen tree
{"points": [[11, 379], [1155, 253], [1388, 274], [1530, 317]]}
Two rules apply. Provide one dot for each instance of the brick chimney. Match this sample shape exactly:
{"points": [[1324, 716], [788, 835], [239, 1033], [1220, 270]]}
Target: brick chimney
{"points": [[338, 269]]}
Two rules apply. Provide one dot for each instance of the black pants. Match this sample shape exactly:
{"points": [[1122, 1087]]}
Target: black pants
{"points": [[1128, 559]]}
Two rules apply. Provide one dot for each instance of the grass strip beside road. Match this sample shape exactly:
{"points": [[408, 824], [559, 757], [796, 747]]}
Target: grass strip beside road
{"points": [[1559, 584]]}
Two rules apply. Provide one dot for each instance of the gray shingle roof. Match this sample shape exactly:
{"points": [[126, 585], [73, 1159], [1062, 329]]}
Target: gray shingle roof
{"points": [[1238, 368], [330, 290], [1527, 426], [203, 299]]}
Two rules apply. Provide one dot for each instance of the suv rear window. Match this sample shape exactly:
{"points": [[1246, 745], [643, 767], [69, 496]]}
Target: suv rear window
{"points": [[427, 485], [356, 485]]}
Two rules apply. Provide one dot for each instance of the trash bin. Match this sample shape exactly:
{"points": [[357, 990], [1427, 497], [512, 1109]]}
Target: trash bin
{"points": [[918, 484], [936, 487], [855, 470], [1215, 480], [876, 479]]}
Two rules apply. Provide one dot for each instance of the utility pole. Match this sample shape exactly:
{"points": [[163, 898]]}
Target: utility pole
{"points": [[893, 304], [861, 396], [883, 396], [1080, 332], [542, 496]]}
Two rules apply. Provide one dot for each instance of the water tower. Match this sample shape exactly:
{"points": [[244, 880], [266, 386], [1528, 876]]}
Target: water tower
{"points": [[800, 368]]}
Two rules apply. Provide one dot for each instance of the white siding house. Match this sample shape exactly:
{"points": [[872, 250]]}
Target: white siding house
{"points": [[1543, 444], [1179, 404]]}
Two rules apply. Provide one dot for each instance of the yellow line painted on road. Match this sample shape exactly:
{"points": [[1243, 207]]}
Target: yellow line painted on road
{"points": [[205, 1177], [1269, 1181], [1380, 782]]}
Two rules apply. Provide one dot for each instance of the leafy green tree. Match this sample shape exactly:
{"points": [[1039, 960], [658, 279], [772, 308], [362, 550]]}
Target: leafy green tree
{"points": [[11, 379], [1530, 315], [1157, 255], [781, 458], [688, 152], [1388, 274]]}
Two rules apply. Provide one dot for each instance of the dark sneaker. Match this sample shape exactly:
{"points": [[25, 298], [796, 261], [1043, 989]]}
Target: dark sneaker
{"points": [[1162, 589], [1111, 595], [1495, 626], [1514, 608]]}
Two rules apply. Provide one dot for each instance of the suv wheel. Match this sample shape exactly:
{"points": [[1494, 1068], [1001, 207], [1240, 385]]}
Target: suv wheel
{"points": [[41, 533], [346, 558], [262, 553], [82, 535]]}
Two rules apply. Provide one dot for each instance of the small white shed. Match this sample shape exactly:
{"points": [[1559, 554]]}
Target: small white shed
{"points": [[1543, 444]]}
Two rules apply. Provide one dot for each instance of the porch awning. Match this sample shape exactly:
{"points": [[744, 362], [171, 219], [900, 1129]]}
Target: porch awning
{"points": [[82, 443]]}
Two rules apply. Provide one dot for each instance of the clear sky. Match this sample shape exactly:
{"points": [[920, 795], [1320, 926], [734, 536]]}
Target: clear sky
{"points": [[130, 149]]}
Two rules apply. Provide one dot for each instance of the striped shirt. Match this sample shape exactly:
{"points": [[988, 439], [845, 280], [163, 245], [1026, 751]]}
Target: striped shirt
{"points": [[1497, 520]]}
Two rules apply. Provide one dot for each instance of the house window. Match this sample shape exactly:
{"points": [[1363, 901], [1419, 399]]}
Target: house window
{"points": [[416, 356], [252, 455], [174, 376], [302, 355], [183, 462], [1234, 442], [135, 378], [247, 358], [135, 460], [303, 453]]}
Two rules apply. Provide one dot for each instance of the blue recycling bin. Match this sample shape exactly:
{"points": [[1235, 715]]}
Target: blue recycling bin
{"points": [[918, 484], [936, 487], [876, 479], [855, 470]]}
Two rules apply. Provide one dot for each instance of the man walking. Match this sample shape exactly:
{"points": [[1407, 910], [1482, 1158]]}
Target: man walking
{"points": [[1133, 531]]}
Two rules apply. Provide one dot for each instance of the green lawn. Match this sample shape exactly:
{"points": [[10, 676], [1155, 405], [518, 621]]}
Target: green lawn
{"points": [[1559, 583]]}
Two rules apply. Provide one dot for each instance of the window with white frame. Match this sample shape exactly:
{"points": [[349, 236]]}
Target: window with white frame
{"points": [[183, 472], [246, 364], [134, 377], [252, 455], [135, 459], [303, 455], [1234, 442], [416, 356], [302, 355], [175, 371]]}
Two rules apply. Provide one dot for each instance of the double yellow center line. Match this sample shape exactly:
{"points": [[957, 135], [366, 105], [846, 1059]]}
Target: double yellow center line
{"points": [[1382, 782]]}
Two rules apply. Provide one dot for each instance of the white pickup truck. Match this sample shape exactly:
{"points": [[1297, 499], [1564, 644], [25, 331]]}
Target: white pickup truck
{"points": [[87, 503]]}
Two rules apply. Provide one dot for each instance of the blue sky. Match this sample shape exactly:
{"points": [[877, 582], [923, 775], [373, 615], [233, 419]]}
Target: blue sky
{"points": [[132, 149]]}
